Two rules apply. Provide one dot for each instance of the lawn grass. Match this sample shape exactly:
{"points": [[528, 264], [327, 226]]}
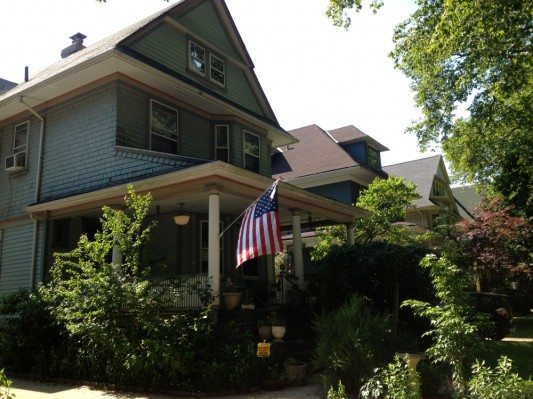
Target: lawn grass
{"points": [[523, 327], [521, 353]]}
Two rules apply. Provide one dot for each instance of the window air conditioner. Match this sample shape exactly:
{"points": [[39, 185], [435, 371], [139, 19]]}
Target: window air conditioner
{"points": [[16, 162]]}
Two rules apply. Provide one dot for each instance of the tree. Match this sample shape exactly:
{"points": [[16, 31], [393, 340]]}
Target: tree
{"points": [[496, 242], [387, 201], [471, 71]]}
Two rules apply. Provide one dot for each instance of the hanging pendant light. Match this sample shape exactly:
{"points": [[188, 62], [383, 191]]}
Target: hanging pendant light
{"points": [[181, 219]]}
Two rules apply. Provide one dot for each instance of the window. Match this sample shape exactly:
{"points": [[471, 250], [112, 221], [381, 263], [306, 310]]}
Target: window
{"points": [[217, 70], [251, 152], [17, 161], [163, 128], [197, 58], [20, 140], [222, 143], [438, 189], [373, 158]]}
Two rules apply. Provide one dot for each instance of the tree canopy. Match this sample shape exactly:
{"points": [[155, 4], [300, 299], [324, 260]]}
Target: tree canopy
{"points": [[471, 71]]}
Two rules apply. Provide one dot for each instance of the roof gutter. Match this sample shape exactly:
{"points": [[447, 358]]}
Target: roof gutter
{"points": [[37, 192]]}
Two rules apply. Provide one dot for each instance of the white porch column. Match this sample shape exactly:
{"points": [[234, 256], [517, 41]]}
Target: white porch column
{"points": [[213, 257], [349, 234], [297, 248], [116, 257]]}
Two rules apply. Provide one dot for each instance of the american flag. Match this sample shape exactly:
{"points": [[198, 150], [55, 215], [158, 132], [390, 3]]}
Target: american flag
{"points": [[260, 232]]}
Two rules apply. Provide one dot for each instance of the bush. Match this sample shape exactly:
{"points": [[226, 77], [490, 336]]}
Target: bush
{"points": [[31, 340], [395, 381], [351, 342], [497, 383], [5, 385], [370, 270]]}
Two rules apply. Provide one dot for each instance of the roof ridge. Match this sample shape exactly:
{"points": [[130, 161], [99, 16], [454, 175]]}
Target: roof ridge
{"points": [[414, 160]]}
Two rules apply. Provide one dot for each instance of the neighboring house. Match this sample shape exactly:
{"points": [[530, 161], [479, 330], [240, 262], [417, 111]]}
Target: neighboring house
{"points": [[337, 164], [6, 85], [467, 199], [433, 186], [170, 104]]}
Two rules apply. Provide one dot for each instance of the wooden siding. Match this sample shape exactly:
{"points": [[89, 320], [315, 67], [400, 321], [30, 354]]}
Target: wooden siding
{"points": [[79, 149], [16, 257], [204, 21], [342, 191], [167, 46], [357, 150]]}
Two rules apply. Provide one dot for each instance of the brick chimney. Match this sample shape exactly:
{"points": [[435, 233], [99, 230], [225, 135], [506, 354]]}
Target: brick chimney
{"points": [[77, 45]]}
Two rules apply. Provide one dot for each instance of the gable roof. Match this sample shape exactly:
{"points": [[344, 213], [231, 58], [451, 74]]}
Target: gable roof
{"points": [[316, 152], [6, 85], [116, 41], [468, 199], [421, 172], [350, 134]]}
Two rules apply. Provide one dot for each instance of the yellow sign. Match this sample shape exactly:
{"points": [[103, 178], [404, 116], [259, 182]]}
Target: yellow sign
{"points": [[263, 349]]}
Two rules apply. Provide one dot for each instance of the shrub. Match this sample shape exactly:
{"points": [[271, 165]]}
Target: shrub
{"points": [[5, 385], [395, 381], [371, 270], [497, 383], [351, 341]]}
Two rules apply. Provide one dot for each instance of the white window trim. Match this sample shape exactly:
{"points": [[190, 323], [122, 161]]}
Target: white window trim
{"points": [[27, 123], [211, 56], [152, 101], [191, 67], [246, 153], [227, 140]]}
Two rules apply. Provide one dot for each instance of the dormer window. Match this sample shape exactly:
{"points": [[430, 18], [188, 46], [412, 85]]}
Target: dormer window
{"points": [[373, 158], [197, 58], [217, 70], [163, 128]]}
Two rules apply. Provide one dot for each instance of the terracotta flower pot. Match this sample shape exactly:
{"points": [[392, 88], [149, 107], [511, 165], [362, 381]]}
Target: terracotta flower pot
{"points": [[232, 299]]}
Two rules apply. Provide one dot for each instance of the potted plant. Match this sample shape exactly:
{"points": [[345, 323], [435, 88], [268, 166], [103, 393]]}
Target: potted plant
{"points": [[264, 329], [232, 296], [248, 304], [279, 327], [295, 371]]}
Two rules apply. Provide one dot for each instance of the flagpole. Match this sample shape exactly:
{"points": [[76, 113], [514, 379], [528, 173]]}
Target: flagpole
{"points": [[245, 209]]}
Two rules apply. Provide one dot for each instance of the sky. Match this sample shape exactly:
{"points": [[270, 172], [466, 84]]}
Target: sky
{"points": [[311, 71]]}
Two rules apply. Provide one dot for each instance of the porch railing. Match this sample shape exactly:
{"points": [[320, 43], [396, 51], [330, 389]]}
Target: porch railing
{"points": [[184, 292]]}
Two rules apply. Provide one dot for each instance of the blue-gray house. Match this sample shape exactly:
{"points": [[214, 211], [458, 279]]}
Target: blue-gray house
{"points": [[170, 104]]}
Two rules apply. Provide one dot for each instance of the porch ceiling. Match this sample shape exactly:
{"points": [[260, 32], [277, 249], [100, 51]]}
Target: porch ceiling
{"points": [[237, 188]]}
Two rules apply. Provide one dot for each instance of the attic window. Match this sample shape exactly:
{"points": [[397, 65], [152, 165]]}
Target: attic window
{"points": [[163, 128], [217, 70], [373, 158], [197, 58]]}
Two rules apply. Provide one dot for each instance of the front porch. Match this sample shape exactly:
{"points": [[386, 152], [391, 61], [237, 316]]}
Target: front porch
{"points": [[212, 195]]}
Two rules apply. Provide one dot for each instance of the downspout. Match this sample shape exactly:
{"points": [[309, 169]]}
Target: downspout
{"points": [[37, 193]]}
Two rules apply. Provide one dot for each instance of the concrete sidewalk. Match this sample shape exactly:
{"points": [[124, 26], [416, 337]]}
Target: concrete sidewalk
{"points": [[24, 389]]}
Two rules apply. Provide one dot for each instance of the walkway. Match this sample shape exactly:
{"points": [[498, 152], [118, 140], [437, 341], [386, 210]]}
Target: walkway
{"points": [[24, 389]]}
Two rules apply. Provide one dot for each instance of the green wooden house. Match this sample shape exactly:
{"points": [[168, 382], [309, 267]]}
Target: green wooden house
{"points": [[171, 105]]}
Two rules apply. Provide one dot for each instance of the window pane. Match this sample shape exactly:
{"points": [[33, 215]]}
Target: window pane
{"points": [[197, 58], [217, 64], [21, 136], [373, 158], [222, 136], [251, 144], [217, 76], [251, 163], [162, 144], [164, 121], [217, 70]]}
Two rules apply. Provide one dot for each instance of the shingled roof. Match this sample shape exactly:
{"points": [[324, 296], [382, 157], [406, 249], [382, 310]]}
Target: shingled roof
{"points": [[351, 134], [421, 172], [315, 153], [6, 85]]}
